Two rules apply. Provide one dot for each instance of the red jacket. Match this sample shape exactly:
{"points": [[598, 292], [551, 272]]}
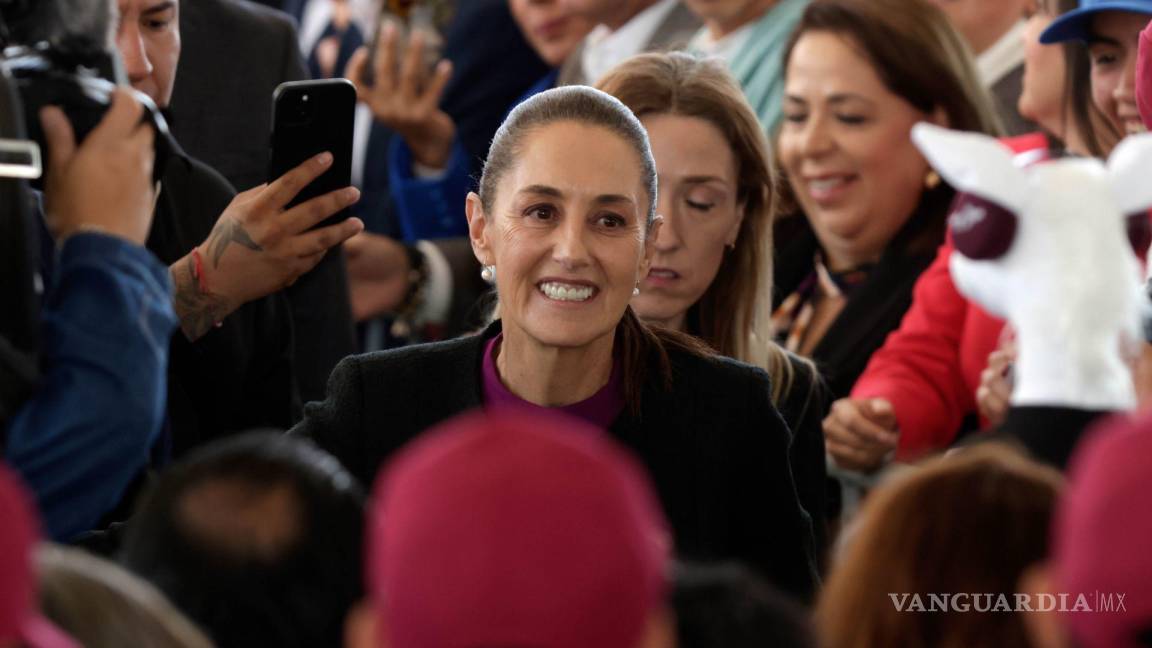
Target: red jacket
{"points": [[930, 367]]}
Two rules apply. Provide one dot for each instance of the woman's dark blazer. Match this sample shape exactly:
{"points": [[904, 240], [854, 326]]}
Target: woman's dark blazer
{"points": [[716, 449], [878, 306], [803, 408]]}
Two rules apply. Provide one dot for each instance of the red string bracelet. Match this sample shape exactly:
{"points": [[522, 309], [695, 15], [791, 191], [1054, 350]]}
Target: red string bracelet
{"points": [[198, 266], [201, 281]]}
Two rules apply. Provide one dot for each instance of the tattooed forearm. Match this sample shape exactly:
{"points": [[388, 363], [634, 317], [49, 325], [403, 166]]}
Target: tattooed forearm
{"points": [[197, 311], [227, 231]]}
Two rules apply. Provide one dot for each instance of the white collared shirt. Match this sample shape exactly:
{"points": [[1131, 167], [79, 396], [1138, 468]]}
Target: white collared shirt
{"points": [[1005, 55], [725, 47], [318, 13], [604, 49]]}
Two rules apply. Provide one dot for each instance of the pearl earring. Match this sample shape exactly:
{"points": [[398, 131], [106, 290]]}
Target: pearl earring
{"points": [[636, 291], [488, 274]]}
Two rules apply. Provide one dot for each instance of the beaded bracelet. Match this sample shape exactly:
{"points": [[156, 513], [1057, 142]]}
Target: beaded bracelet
{"points": [[404, 321]]}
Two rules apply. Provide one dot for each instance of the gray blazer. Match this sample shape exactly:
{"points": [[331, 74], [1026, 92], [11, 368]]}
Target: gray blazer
{"points": [[234, 54], [672, 34]]}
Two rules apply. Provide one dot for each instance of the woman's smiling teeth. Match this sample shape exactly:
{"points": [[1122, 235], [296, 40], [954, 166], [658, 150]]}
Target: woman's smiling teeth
{"points": [[566, 292], [820, 187]]}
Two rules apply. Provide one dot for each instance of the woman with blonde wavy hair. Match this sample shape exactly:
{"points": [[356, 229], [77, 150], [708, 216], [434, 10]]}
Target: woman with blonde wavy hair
{"points": [[711, 275], [102, 605]]}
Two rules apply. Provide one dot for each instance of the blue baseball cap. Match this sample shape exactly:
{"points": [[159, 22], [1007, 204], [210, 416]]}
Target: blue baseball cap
{"points": [[1075, 24]]}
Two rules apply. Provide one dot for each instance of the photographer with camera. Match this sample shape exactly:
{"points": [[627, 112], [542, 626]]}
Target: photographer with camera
{"points": [[89, 429], [106, 320]]}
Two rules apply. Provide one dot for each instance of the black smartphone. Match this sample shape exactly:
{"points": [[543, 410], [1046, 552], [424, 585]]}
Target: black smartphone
{"points": [[308, 118]]}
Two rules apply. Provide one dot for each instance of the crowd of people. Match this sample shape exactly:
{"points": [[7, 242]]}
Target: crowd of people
{"points": [[653, 323]]}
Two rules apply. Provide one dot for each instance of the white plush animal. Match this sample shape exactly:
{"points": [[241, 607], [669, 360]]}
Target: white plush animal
{"points": [[1069, 282]]}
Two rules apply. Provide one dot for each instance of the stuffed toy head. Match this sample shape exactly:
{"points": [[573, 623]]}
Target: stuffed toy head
{"points": [[1054, 249]]}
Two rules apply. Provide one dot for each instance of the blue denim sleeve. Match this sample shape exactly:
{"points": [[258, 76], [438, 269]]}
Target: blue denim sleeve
{"points": [[107, 323], [429, 208]]}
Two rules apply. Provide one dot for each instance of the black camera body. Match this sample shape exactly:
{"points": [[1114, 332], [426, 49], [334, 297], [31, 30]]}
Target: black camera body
{"points": [[76, 80]]}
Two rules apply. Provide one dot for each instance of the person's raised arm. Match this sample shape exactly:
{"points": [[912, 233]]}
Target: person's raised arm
{"points": [[405, 96], [107, 319], [258, 247], [918, 372], [429, 170]]}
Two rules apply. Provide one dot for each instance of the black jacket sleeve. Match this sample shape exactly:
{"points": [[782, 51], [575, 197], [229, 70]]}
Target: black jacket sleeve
{"points": [[803, 409], [1050, 433], [781, 535], [336, 423]]}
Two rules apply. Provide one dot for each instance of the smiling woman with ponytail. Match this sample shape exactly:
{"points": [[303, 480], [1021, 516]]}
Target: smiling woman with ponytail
{"points": [[565, 220]]}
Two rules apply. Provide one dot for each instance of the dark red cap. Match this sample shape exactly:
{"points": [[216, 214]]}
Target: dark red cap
{"points": [[20, 620], [1144, 77], [1102, 541], [515, 529]]}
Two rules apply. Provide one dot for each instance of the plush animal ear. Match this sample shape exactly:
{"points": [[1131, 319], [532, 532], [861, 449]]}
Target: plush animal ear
{"points": [[1130, 168], [973, 163]]}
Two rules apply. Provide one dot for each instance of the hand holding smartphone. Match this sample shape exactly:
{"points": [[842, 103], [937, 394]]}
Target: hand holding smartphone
{"points": [[309, 118]]}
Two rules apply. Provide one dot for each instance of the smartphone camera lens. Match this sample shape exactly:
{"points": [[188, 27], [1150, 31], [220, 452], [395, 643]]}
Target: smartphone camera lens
{"points": [[299, 109]]}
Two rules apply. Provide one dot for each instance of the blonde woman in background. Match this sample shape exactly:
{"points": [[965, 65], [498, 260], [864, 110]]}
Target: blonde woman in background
{"points": [[711, 273], [102, 605]]}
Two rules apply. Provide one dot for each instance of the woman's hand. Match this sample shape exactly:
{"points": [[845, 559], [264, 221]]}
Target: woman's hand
{"points": [[378, 270], [995, 390], [406, 97], [860, 434]]}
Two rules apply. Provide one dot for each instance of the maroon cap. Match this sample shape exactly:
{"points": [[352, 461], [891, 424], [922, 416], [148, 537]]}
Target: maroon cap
{"points": [[1144, 77], [20, 620], [1102, 544], [515, 529]]}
